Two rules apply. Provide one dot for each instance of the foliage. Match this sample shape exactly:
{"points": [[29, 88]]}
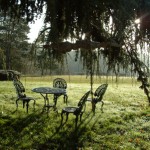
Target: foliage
{"points": [[13, 40], [46, 60], [2, 59], [109, 23]]}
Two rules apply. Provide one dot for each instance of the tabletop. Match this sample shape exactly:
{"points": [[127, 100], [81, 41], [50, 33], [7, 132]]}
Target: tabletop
{"points": [[49, 90]]}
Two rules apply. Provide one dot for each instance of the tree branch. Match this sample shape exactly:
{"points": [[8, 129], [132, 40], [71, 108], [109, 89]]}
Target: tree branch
{"points": [[64, 47]]}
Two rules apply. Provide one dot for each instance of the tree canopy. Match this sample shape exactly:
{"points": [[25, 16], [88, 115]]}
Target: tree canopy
{"points": [[75, 18], [96, 27], [13, 43]]}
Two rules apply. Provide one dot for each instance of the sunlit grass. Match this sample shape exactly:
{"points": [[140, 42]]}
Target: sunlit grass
{"points": [[123, 125]]}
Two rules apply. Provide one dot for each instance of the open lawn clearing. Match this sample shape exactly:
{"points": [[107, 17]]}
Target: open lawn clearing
{"points": [[125, 123]]}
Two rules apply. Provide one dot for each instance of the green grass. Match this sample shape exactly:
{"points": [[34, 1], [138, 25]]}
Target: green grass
{"points": [[124, 125]]}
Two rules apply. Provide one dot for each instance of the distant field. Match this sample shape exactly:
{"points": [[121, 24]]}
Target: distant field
{"points": [[124, 125], [83, 79]]}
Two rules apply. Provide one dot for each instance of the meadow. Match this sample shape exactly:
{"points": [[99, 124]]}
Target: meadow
{"points": [[124, 124]]}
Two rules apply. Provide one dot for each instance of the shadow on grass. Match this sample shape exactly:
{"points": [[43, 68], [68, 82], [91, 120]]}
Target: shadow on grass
{"points": [[13, 129], [39, 131], [69, 137]]}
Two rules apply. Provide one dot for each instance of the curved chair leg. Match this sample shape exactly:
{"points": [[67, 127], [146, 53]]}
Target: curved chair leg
{"points": [[24, 104], [67, 114], [102, 106], [17, 103], [65, 99], [27, 105], [84, 107], [55, 99], [76, 121], [81, 115], [93, 107]]}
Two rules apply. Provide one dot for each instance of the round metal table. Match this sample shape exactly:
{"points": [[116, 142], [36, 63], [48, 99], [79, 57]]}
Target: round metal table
{"points": [[45, 91]]}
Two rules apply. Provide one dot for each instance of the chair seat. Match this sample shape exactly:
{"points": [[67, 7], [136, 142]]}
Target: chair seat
{"points": [[26, 98], [70, 109]]}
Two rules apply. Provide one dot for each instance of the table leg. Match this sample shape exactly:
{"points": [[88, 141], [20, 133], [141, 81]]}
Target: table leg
{"points": [[47, 100]]}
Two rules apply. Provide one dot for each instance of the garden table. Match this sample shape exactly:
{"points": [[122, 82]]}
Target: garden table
{"points": [[45, 91]]}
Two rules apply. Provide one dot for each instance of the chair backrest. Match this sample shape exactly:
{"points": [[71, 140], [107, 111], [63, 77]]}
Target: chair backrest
{"points": [[20, 90], [82, 101], [100, 91], [59, 83]]}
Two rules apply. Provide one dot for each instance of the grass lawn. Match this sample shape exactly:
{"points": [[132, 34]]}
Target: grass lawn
{"points": [[124, 124]]}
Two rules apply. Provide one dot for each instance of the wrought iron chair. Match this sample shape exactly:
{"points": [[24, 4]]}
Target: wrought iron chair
{"points": [[77, 111], [98, 96], [20, 90], [60, 83]]}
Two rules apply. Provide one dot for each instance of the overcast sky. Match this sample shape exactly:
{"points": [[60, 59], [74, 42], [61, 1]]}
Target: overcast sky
{"points": [[34, 29]]}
